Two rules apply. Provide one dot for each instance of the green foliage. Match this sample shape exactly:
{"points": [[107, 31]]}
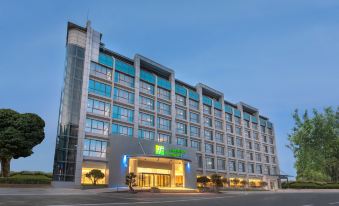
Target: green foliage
{"points": [[315, 144], [19, 133], [310, 185], [27, 177], [94, 175], [130, 181], [235, 181], [203, 180]]}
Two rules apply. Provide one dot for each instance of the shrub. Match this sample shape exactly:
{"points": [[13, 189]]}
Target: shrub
{"points": [[310, 185], [27, 177]]}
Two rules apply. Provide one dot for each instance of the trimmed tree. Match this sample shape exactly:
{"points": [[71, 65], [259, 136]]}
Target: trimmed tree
{"points": [[216, 181], [94, 175], [225, 181], [203, 180], [263, 184], [130, 181], [235, 181], [19, 133]]}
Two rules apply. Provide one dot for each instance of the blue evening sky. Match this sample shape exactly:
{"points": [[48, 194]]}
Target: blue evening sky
{"points": [[273, 55]]}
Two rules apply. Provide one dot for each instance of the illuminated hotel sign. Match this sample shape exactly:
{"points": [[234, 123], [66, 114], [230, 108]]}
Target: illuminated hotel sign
{"points": [[160, 150]]}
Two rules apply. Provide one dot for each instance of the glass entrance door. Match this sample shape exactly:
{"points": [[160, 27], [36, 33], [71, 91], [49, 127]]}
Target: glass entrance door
{"points": [[154, 180]]}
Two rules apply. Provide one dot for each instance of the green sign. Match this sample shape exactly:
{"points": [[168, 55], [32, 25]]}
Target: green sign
{"points": [[160, 150]]}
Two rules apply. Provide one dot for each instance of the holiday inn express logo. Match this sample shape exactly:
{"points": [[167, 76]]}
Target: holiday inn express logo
{"points": [[162, 151]]}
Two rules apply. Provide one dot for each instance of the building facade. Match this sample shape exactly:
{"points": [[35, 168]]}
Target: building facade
{"points": [[122, 115]]}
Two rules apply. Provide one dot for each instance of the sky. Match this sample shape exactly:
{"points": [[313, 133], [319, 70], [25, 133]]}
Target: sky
{"points": [[274, 55]]}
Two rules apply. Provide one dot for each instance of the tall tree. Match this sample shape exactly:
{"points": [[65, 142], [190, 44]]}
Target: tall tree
{"points": [[315, 144], [19, 133]]}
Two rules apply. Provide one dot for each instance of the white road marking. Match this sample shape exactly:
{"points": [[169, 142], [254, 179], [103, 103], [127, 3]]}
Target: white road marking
{"points": [[333, 203], [149, 202]]}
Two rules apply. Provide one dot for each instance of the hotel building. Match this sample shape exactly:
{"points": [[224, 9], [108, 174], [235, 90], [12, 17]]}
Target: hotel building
{"points": [[122, 115]]}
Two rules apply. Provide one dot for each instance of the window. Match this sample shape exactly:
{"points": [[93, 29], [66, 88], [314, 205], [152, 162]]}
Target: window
{"points": [[164, 108], [255, 126], [164, 138], [181, 128], [98, 107], [231, 166], [250, 167], [196, 145], [250, 156], [182, 141], [255, 136], [146, 134], [238, 130], [123, 79], [240, 154], [164, 94], [101, 71], [258, 157], [209, 163], [164, 124], [248, 144], [95, 148], [272, 150], [208, 134], [99, 88], [220, 150], [231, 152], [263, 129], [267, 159], [207, 109], [194, 131], [237, 120], [207, 121], [265, 148], [96, 126], [221, 164], [123, 96], [257, 146], [181, 100], [146, 103], [219, 137], [180, 113], [241, 167], [247, 134], [194, 117], [267, 170], [274, 171], [209, 148], [146, 119], [194, 104], [271, 140], [230, 140], [264, 138], [229, 128], [122, 130], [239, 142], [217, 113], [146, 88], [228, 117], [247, 124], [270, 131], [273, 160], [218, 124], [122, 113], [259, 169], [199, 160]]}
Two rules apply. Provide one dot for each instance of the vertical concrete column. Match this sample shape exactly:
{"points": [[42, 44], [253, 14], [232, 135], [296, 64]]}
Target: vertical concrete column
{"points": [[173, 126], [136, 95], [92, 48], [199, 91], [173, 174]]}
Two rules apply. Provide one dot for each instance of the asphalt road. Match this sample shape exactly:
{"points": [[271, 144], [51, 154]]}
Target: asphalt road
{"points": [[239, 199]]}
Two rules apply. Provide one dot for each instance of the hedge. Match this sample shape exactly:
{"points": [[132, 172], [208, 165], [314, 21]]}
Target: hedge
{"points": [[310, 185], [27, 177]]}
